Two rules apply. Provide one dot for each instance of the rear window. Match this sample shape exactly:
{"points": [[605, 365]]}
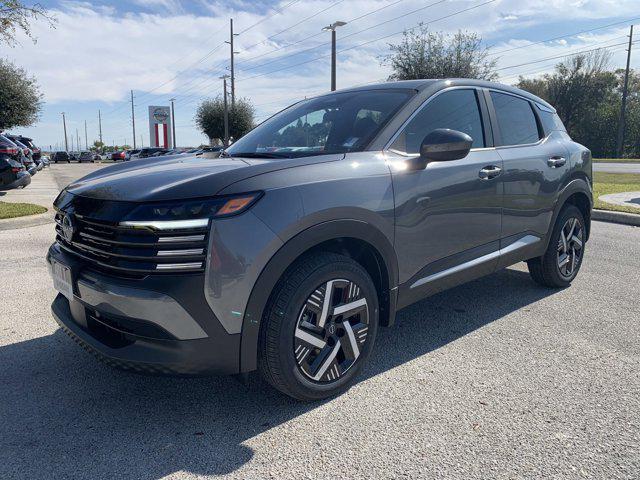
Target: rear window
{"points": [[517, 122]]}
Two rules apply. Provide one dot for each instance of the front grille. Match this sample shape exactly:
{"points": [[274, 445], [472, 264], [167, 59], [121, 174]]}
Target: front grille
{"points": [[135, 251]]}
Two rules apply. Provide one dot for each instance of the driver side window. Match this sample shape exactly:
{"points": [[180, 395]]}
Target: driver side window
{"points": [[455, 109]]}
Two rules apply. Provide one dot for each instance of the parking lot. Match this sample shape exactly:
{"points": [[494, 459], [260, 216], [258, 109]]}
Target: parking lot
{"points": [[498, 378]]}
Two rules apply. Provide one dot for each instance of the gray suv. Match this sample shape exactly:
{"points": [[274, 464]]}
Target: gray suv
{"points": [[287, 253]]}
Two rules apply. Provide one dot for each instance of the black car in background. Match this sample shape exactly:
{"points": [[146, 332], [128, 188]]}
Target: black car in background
{"points": [[12, 171], [61, 157]]}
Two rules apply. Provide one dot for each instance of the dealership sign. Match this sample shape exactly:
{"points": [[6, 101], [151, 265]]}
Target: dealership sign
{"points": [[160, 126]]}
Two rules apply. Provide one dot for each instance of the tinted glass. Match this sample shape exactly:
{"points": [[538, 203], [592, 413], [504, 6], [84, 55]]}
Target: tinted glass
{"points": [[550, 121], [336, 123], [456, 109], [516, 120]]}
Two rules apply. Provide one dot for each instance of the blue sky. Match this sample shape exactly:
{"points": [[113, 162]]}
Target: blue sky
{"points": [[164, 49]]}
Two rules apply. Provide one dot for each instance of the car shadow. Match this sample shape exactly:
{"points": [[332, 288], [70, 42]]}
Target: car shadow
{"points": [[65, 415]]}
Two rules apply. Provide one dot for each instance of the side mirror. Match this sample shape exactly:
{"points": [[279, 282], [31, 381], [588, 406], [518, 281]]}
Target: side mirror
{"points": [[443, 145]]}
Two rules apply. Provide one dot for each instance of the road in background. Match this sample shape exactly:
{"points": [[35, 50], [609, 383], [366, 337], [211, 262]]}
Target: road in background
{"points": [[617, 167], [498, 378]]}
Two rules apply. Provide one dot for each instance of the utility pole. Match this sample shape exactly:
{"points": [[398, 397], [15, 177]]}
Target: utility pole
{"points": [[133, 120], [173, 122], [233, 75], [226, 112], [86, 140], [621, 121], [66, 143], [100, 125], [332, 29]]}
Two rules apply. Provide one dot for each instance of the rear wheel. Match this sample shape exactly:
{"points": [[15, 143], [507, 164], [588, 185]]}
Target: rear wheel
{"points": [[319, 327], [562, 260]]}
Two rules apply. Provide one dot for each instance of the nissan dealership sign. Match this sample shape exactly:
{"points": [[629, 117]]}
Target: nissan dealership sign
{"points": [[160, 126]]}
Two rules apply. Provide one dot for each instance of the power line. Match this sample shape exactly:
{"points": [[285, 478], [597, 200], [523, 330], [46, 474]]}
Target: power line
{"points": [[264, 19], [564, 36], [297, 42], [371, 41], [564, 55], [293, 26]]}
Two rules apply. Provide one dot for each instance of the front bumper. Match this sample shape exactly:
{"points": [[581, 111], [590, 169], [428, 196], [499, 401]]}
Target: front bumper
{"points": [[153, 325]]}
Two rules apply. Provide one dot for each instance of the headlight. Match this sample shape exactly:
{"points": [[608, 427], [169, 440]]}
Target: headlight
{"points": [[189, 213]]}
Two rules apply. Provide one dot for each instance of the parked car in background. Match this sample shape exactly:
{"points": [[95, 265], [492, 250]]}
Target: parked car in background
{"points": [[36, 152], [287, 259], [119, 155], [61, 157], [129, 153], [148, 152], [26, 155], [85, 156], [12, 172]]}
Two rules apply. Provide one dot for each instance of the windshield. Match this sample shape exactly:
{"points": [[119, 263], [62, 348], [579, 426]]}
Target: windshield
{"points": [[336, 123]]}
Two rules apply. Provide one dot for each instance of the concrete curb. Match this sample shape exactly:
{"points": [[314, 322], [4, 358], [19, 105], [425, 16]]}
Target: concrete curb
{"points": [[616, 217], [28, 221]]}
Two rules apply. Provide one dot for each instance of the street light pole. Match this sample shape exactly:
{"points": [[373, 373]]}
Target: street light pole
{"points": [[64, 124], [173, 122], [133, 120], [100, 127], [226, 111], [332, 29], [621, 120]]}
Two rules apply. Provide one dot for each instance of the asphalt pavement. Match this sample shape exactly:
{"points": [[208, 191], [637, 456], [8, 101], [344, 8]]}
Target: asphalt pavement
{"points": [[498, 378], [617, 167]]}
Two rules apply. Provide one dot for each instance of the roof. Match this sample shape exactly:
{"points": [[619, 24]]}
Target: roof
{"points": [[439, 84]]}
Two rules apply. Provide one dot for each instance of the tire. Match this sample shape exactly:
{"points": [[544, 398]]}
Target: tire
{"points": [[292, 343], [560, 264]]}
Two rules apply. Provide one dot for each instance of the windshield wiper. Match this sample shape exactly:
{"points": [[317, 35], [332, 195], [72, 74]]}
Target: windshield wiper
{"points": [[260, 155]]}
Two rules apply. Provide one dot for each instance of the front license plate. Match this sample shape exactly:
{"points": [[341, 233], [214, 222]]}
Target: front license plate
{"points": [[62, 282]]}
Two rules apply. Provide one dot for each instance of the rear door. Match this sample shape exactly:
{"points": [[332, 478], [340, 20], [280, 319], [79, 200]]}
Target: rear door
{"points": [[534, 169], [448, 214]]}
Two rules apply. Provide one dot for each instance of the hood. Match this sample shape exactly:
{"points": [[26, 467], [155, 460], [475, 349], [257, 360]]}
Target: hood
{"points": [[180, 177]]}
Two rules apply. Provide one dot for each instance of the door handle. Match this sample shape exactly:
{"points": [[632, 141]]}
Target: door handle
{"points": [[489, 172], [555, 162]]}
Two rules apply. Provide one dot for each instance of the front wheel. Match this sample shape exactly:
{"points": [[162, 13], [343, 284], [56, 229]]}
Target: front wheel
{"points": [[319, 327], [561, 262]]}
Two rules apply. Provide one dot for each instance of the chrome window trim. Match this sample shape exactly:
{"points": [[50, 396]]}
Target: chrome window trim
{"points": [[419, 109]]}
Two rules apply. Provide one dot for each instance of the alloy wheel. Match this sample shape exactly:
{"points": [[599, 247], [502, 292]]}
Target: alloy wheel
{"points": [[570, 246], [331, 330]]}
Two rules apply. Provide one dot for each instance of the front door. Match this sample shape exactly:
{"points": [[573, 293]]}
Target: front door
{"points": [[448, 216]]}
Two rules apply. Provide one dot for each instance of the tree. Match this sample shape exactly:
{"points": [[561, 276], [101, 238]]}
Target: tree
{"points": [[20, 97], [587, 97], [425, 54], [210, 118], [15, 15]]}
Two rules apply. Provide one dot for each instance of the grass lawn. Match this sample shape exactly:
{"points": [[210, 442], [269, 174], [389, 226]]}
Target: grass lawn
{"points": [[13, 210], [616, 160], [605, 183]]}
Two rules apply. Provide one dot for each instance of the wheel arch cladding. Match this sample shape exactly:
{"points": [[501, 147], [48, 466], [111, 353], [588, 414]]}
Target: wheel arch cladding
{"points": [[353, 238], [581, 200]]}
